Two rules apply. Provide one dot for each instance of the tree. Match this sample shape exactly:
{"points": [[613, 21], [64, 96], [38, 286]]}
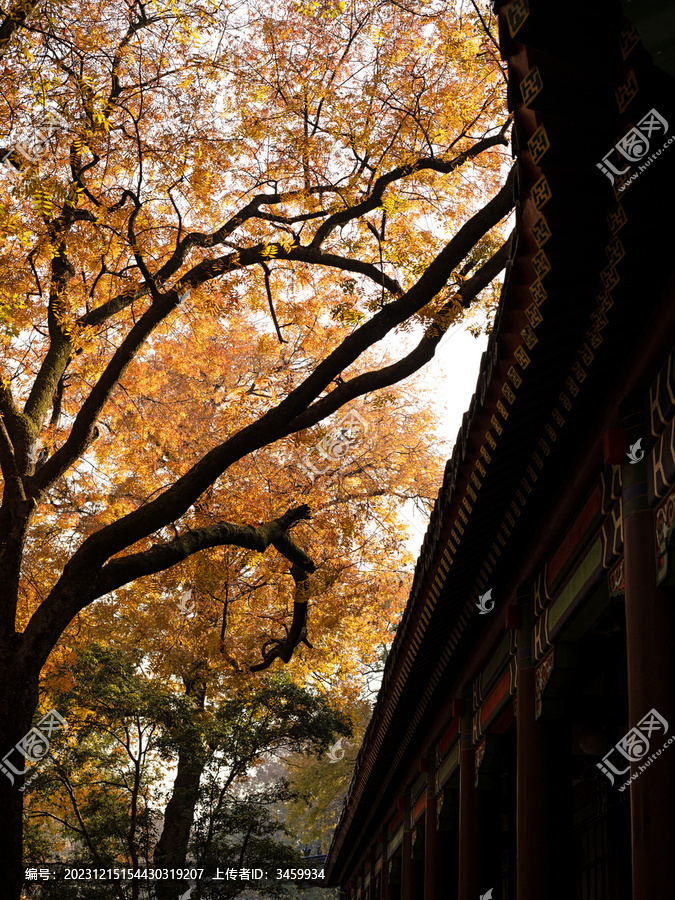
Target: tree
{"points": [[103, 792], [328, 164]]}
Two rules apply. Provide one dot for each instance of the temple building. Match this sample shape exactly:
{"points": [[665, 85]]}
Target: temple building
{"points": [[523, 742]]}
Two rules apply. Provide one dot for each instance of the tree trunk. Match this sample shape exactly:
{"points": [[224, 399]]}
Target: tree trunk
{"points": [[171, 849], [18, 701]]}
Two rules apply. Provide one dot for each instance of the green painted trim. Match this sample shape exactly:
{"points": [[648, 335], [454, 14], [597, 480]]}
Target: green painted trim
{"points": [[450, 761], [587, 566], [395, 841], [497, 658]]}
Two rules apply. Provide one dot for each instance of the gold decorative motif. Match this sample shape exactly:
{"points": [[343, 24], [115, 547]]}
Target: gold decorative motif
{"points": [[538, 144], [626, 91], [529, 337], [531, 85], [615, 251], [515, 377], [541, 264], [534, 315], [628, 40], [617, 218], [541, 192], [538, 292], [516, 14], [609, 277], [594, 337], [616, 581], [586, 354], [541, 231], [522, 357], [478, 758], [543, 673], [605, 300]]}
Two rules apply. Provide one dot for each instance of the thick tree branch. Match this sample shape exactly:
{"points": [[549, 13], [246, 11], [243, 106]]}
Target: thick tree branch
{"points": [[162, 556], [283, 649], [420, 356], [83, 429]]}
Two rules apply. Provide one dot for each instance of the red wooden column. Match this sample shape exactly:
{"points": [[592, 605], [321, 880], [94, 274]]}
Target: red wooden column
{"points": [[650, 636], [407, 884], [469, 836], [531, 788], [432, 849], [385, 893], [386, 886]]}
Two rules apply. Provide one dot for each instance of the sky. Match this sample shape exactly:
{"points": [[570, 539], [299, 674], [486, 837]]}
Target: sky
{"points": [[451, 376]]}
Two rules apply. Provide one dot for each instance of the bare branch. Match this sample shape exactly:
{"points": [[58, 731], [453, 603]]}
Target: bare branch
{"points": [[270, 301]]}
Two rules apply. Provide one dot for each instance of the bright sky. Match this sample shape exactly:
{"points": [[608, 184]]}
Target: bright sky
{"points": [[451, 376]]}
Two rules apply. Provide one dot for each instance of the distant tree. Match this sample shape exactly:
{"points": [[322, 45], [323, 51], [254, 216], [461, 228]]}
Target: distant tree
{"points": [[102, 792]]}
